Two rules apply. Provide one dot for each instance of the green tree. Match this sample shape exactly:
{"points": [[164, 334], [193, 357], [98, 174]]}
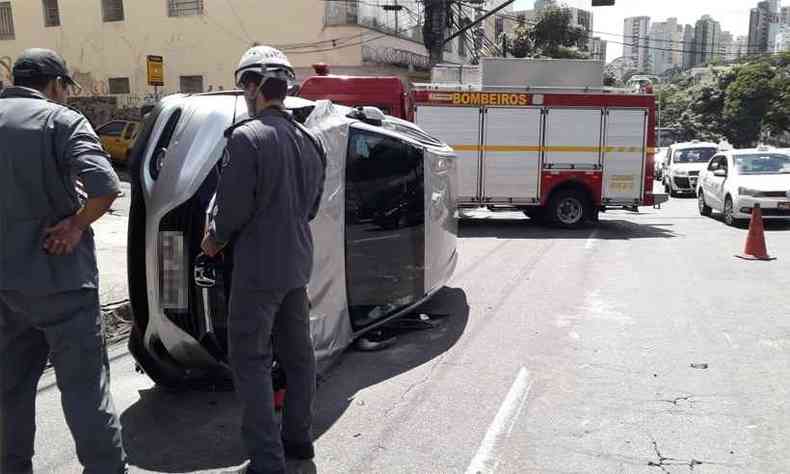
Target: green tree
{"points": [[552, 36], [521, 46], [748, 101]]}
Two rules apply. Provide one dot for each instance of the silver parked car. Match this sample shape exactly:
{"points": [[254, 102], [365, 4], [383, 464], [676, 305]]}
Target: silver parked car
{"points": [[385, 235]]}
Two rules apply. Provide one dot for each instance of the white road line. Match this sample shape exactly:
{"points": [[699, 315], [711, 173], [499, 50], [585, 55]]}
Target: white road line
{"points": [[591, 240], [485, 460]]}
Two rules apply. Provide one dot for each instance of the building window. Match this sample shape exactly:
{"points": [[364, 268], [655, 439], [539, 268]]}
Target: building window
{"points": [[112, 10], [119, 85], [191, 84], [184, 7], [51, 13], [6, 21]]}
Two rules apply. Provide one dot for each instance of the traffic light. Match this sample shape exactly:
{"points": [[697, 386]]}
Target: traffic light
{"points": [[603, 3]]}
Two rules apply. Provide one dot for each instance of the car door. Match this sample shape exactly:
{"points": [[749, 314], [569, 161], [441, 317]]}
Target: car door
{"points": [[385, 225], [110, 135], [716, 183], [705, 178]]}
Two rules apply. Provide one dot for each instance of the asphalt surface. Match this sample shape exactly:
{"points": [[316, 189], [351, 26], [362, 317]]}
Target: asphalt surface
{"points": [[641, 345]]}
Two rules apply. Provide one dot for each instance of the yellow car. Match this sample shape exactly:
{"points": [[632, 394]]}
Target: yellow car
{"points": [[117, 138]]}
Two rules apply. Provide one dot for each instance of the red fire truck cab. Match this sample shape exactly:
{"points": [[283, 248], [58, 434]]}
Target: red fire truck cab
{"points": [[388, 93]]}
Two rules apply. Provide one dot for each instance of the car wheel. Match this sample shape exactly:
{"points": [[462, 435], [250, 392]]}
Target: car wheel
{"points": [[569, 209], [729, 212], [150, 366], [704, 209]]}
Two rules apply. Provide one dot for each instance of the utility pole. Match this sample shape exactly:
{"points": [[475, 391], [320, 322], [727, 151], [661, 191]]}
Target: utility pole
{"points": [[433, 29]]}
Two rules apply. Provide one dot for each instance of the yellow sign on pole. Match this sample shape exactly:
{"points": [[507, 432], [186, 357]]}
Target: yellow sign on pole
{"points": [[156, 71]]}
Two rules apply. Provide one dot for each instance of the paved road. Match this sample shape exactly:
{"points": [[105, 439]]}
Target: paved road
{"points": [[639, 346]]}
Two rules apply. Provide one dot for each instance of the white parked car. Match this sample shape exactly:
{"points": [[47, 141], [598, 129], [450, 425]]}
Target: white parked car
{"points": [[735, 180], [683, 164]]}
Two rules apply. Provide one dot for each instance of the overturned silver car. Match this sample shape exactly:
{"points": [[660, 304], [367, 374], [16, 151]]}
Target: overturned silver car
{"points": [[385, 237]]}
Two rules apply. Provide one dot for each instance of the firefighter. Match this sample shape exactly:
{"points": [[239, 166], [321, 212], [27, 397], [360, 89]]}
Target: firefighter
{"points": [[270, 188], [55, 180]]}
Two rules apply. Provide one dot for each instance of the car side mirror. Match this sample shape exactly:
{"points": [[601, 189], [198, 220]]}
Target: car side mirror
{"points": [[720, 173]]}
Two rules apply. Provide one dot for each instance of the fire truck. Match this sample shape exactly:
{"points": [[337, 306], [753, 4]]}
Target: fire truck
{"points": [[544, 137], [541, 136]]}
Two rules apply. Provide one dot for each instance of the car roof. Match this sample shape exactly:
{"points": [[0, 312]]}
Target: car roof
{"points": [[687, 145]]}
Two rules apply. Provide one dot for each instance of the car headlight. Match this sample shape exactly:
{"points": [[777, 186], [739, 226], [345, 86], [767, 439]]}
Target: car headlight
{"points": [[680, 173], [749, 192]]}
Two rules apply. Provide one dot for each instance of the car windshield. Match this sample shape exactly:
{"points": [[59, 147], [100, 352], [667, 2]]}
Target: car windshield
{"points": [[693, 155], [766, 163]]}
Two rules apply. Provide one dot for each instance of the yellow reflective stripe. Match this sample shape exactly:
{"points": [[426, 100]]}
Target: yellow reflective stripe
{"points": [[509, 148], [572, 149], [555, 149]]}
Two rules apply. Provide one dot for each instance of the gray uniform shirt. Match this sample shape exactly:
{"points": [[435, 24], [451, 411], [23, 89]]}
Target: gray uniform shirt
{"points": [[50, 160], [270, 189]]}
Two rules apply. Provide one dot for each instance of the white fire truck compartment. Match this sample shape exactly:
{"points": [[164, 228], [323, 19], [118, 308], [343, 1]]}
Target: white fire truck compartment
{"points": [[559, 73]]}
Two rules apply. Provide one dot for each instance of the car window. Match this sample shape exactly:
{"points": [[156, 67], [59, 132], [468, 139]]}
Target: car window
{"points": [[693, 155], [373, 156], [715, 163], [762, 163], [112, 129], [130, 131]]}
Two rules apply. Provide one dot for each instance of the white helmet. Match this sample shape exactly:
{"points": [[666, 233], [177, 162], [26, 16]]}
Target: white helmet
{"points": [[267, 62]]}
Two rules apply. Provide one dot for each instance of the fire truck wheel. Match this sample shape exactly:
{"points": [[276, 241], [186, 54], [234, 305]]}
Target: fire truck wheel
{"points": [[570, 208]]}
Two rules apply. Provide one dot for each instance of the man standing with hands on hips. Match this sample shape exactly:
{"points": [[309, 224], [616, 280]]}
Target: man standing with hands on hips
{"points": [[55, 181], [270, 188]]}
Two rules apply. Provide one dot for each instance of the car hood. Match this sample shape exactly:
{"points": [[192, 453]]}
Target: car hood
{"points": [[765, 182], [689, 166]]}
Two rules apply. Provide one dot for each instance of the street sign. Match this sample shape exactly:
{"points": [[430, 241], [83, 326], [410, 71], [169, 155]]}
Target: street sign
{"points": [[156, 71]]}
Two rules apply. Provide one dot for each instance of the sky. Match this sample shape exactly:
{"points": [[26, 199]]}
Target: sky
{"points": [[732, 14]]}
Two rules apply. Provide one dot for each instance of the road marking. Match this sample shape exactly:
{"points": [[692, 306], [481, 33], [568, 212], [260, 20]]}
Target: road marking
{"points": [[591, 240], [485, 460]]}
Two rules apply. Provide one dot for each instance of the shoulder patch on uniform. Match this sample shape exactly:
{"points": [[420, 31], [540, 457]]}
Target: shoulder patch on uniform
{"points": [[229, 131]]}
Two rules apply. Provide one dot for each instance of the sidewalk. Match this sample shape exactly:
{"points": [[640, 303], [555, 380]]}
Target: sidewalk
{"points": [[110, 236]]}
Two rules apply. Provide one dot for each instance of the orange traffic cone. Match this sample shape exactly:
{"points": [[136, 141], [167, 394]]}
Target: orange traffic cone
{"points": [[755, 241]]}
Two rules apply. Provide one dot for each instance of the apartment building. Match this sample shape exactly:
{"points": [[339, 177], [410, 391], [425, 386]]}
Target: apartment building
{"points": [[106, 42]]}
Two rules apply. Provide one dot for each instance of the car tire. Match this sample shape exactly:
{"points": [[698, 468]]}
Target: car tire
{"points": [[729, 213], [569, 209], [147, 364], [704, 209]]}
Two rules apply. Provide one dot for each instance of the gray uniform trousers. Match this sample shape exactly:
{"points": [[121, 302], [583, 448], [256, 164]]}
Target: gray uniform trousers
{"points": [[67, 327], [254, 317]]}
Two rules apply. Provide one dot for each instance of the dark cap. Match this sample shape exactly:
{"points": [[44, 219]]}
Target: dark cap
{"points": [[37, 62]]}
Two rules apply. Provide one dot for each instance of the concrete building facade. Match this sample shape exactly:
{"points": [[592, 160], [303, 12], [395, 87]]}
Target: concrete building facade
{"points": [[106, 42], [636, 39], [707, 41], [666, 40]]}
